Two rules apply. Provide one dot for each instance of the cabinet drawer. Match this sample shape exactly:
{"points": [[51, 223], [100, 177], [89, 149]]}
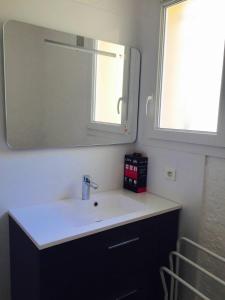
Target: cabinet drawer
{"points": [[129, 263]]}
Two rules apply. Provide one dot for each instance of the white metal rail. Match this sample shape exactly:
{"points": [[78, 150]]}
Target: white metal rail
{"points": [[173, 272], [179, 279]]}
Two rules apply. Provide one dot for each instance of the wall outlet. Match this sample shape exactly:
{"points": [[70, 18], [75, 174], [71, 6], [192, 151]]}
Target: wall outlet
{"points": [[170, 174]]}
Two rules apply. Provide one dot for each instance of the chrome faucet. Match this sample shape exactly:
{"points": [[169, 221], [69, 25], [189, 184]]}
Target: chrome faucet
{"points": [[86, 185]]}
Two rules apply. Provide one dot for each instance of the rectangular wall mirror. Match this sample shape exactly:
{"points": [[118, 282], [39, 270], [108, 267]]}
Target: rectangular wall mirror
{"points": [[66, 90]]}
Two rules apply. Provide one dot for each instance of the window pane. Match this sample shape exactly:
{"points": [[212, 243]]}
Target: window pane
{"points": [[109, 83], [192, 66]]}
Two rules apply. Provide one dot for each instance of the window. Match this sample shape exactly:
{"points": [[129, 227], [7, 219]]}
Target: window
{"points": [[189, 89]]}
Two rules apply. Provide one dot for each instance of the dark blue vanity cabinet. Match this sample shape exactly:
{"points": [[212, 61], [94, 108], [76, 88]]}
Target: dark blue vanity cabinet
{"points": [[120, 263]]}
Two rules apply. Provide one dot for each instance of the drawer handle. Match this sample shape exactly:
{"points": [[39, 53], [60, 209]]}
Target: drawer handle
{"points": [[124, 243], [127, 295]]}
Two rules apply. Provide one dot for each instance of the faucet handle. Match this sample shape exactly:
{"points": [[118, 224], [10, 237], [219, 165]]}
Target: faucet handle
{"points": [[93, 185], [87, 179]]}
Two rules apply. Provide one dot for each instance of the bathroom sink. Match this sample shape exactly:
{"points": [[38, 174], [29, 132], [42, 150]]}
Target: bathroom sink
{"points": [[78, 213], [99, 208], [59, 221]]}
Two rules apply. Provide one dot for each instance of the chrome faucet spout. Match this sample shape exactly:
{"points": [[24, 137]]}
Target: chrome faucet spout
{"points": [[86, 185]]}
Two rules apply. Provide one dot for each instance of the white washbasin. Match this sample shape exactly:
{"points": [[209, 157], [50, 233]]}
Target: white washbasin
{"points": [[101, 207], [59, 221], [76, 212]]}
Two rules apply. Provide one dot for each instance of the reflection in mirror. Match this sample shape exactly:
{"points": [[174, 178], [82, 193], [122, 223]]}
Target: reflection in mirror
{"points": [[108, 87], [65, 90]]}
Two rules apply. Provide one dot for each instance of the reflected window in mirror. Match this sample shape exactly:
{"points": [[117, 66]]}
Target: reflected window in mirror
{"points": [[108, 94]]}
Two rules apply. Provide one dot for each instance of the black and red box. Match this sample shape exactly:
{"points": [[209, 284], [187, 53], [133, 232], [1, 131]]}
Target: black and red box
{"points": [[135, 172]]}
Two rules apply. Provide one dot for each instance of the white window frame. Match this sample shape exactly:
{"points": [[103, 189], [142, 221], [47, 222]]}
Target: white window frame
{"points": [[153, 103], [129, 106], [107, 126]]}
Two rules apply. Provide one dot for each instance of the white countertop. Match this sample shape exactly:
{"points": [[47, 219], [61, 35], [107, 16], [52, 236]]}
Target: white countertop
{"points": [[60, 221]]}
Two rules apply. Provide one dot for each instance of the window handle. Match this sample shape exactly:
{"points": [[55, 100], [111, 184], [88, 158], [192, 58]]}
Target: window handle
{"points": [[148, 99], [118, 104]]}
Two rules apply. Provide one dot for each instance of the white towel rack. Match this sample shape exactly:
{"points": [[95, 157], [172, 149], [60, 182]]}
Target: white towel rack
{"points": [[173, 272]]}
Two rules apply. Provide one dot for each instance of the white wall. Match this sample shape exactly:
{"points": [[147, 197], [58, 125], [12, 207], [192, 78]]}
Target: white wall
{"points": [[37, 176], [200, 170], [188, 187]]}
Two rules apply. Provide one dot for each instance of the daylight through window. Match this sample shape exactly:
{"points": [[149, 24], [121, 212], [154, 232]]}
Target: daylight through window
{"points": [[192, 65]]}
